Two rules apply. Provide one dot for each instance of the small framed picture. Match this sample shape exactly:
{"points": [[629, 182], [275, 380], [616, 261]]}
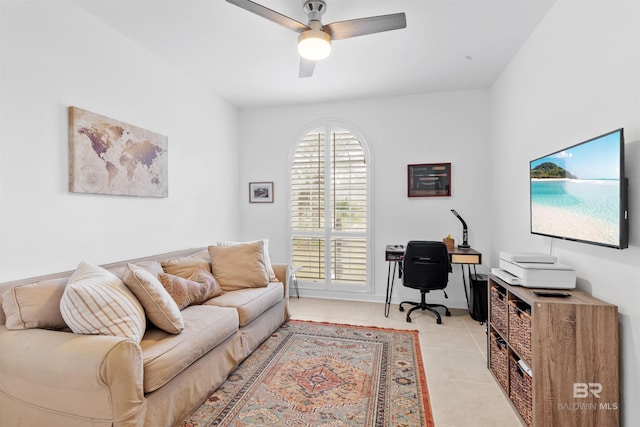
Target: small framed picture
{"points": [[429, 180], [261, 192]]}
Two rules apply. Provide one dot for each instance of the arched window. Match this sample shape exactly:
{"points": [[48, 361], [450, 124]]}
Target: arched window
{"points": [[330, 214]]}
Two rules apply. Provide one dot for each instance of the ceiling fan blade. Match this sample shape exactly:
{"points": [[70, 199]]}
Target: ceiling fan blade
{"points": [[269, 14], [363, 26], [306, 68]]}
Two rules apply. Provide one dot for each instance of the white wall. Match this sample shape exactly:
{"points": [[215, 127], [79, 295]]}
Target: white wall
{"points": [[55, 55], [434, 128], [577, 77]]}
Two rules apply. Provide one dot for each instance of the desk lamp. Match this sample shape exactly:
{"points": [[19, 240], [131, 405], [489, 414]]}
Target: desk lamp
{"points": [[465, 233]]}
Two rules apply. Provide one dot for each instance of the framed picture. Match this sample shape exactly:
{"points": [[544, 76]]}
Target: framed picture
{"points": [[261, 192], [107, 156], [429, 180]]}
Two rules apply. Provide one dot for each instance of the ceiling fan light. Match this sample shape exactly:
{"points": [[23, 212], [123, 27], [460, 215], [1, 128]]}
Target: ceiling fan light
{"points": [[314, 45]]}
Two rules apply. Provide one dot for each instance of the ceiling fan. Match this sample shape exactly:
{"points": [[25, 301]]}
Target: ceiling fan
{"points": [[314, 41]]}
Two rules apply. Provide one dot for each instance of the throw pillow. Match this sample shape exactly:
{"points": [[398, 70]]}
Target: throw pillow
{"points": [[198, 288], [184, 266], [161, 309], [150, 265], [34, 305], [184, 292], [240, 266], [97, 302], [266, 257], [211, 287]]}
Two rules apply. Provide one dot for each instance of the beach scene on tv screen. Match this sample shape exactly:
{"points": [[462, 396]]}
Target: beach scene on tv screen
{"points": [[575, 193]]}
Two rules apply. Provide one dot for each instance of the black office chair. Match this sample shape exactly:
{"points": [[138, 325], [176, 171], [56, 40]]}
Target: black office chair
{"points": [[426, 266]]}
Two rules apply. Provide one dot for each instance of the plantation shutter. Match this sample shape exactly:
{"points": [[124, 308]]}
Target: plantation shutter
{"points": [[348, 209], [307, 206], [329, 215]]}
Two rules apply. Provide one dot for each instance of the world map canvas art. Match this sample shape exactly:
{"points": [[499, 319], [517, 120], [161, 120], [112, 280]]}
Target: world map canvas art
{"points": [[111, 157]]}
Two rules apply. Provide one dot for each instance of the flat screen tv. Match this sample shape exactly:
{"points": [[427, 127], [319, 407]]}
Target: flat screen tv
{"points": [[580, 193]]}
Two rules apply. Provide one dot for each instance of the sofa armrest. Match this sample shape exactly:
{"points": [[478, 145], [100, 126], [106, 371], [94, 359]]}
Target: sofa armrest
{"points": [[281, 273], [94, 377]]}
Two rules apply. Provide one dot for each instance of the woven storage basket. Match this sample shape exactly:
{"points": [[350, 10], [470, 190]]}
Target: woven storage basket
{"points": [[520, 391], [499, 360], [520, 329], [499, 308]]}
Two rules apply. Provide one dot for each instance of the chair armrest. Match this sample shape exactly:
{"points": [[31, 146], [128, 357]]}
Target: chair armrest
{"points": [[95, 377]]}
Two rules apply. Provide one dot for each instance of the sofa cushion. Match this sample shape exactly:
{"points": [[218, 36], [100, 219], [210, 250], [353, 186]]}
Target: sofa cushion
{"points": [[161, 309], [34, 305], [266, 257], [239, 266], [97, 302], [165, 355], [185, 266], [250, 302], [198, 288]]}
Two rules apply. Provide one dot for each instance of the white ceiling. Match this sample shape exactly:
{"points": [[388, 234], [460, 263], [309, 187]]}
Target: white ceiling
{"points": [[252, 62]]}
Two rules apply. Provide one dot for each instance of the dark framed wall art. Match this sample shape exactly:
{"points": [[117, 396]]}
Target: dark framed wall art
{"points": [[429, 180], [261, 192]]}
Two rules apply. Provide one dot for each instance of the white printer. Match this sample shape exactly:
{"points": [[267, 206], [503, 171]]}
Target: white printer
{"points": [[535, 270]]}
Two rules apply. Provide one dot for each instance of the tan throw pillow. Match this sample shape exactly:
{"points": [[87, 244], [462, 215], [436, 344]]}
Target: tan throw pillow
{"points": [[153, 267], [34, 305], [184, 292], [211, 287], [161, 309], [240, 266], [149, 265], [184, 266], [97, 302], [265, 252]]}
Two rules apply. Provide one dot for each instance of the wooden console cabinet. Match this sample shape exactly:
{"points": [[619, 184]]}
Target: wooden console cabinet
{"points": [[570, 346]]}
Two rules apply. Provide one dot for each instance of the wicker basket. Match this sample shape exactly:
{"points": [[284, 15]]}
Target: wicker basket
{"points": [[499, 359], [499, 308], [520, 329], [520, 391]]}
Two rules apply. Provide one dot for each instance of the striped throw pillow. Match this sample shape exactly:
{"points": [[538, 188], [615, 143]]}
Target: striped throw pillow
{"points": [[97, 302]]}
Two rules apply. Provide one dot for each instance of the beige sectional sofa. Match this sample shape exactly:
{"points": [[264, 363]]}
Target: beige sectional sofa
{"points": [[53, 377]]}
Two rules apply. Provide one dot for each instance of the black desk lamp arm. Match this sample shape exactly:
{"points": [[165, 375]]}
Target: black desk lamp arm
{"points": [[465, 233]]}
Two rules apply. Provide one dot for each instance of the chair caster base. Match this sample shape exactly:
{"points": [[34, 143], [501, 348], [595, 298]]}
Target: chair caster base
{"points": [[424, 306]]}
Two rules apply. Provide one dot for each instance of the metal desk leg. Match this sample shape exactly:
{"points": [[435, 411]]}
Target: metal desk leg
{"points": [[391, 277], [294, 281], [464, 285], [292, 278]]}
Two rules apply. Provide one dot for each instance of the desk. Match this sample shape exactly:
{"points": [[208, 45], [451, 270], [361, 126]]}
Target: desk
{"points": [[393, 255]]}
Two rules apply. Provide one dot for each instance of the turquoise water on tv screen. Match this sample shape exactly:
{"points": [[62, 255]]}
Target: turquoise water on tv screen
{"points": [[598, 199]]}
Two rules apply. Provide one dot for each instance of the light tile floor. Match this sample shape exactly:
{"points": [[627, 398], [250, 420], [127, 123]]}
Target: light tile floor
{"points": [[463, 392]]}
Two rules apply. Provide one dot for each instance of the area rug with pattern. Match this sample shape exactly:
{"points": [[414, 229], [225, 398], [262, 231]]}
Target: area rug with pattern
{"points": [[323, 374]]}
